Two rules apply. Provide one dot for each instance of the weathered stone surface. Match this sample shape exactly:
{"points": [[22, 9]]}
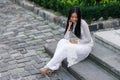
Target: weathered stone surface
{"points": [[22, 36], [93, 27], [111, 38], [106, 57]]}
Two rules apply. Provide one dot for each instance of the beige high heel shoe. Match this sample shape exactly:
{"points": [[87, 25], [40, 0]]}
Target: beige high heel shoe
{"points": [[45, 70]]}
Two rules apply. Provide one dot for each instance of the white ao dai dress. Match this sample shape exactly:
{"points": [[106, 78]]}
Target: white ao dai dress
{"points": [[73, 52]]}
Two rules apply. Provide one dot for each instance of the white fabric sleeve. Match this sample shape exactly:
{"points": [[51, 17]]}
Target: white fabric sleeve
{"points": [[86, 33], [67, 35]]}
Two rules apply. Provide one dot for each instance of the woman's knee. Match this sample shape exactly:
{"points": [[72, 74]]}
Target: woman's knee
{"points": [[67, 47], [62, 41]]}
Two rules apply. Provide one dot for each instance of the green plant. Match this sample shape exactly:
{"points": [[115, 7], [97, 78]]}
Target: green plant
{"points": [[89, 8]]}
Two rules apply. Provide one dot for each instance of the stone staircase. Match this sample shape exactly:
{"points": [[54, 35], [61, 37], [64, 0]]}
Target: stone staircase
{"points": [[103, 62], [107, 51]]}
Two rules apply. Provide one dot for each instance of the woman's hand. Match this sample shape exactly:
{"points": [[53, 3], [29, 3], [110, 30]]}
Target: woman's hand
{"points": [[69, 25], [73, 41]]}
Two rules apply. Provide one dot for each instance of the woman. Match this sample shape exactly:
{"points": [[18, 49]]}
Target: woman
{"points": [[74, 50]]}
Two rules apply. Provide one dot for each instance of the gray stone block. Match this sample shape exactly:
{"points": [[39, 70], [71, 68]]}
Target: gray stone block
{"points": [[35, 71], [24, 73], [38, 66], [100, 25], [20, 2], [17, 70], [21, 65], [93, 27], [115, 23], [37, 59], [4, 69], [27, 59], [50, 40], [32, 77], [107, 24], [28, 5], [10, 67], [15, 76], [29, 67], [5, 74], [5, 78], [2, 64], [36, 10]]}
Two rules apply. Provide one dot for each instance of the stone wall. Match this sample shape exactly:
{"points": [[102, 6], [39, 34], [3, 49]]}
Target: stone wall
{"points": [[108, 24], [60, 20]]}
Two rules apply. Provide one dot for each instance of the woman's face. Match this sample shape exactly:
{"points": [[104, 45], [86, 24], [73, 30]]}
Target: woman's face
{"points": [[73, 17]]}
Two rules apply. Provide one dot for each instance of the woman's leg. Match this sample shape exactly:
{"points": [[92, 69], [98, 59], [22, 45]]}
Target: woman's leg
{"points": [[58, 57]]}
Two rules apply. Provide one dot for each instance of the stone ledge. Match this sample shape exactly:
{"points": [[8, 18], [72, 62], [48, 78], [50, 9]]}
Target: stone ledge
{"points": [[62, 20], [106, 58], [85, 70], [110, 39]]}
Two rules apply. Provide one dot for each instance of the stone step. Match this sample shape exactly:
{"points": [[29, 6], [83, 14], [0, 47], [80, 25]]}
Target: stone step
{"points": [[65, 75], [85, 70], [106, 58], [88, 70], [110, 39]]}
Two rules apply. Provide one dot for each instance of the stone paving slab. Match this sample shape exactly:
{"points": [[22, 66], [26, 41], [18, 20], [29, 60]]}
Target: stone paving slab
{"points": [[22, 36]]}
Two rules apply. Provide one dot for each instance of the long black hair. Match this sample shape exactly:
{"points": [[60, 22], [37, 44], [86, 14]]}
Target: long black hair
{"points": [[77, 30]]}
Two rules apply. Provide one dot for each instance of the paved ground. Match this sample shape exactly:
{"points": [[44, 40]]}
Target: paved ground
{"points": [[22, 36]]}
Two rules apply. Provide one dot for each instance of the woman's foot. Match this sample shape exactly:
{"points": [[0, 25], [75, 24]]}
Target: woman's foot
{"points": [[45, 70]]}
